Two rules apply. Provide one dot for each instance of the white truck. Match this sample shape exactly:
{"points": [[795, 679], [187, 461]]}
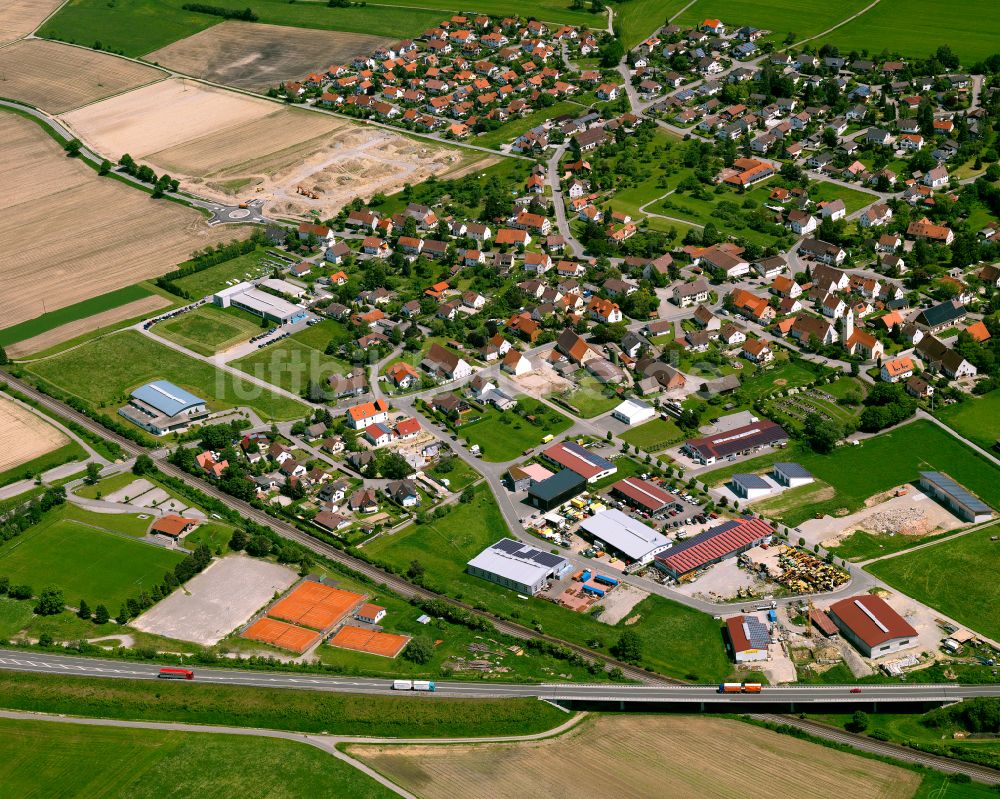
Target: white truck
{"points": [[413, 685]]}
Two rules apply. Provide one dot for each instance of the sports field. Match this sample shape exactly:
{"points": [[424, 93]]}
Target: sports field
{"points": [[977, 419], [362, 640], [955, 577], [83, 561], [137, 27], [315, 605], [104, 371], [638, 756], [284, 636], [51, 759], [208, 330]]}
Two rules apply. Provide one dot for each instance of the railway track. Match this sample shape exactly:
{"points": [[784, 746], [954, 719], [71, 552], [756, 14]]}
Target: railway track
{"points": [[395, 583]]}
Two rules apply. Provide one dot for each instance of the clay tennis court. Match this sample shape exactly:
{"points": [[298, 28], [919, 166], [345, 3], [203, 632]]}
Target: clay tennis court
{"points": [[384, 644], [315, 605], [277, 633]]}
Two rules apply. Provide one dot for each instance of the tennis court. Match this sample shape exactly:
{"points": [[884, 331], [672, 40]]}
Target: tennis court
{"points": [[285, 636], [384, 644], [315, 605]]}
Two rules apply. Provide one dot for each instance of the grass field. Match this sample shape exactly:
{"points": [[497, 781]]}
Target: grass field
{"points": [[862, 545], [277, 709], [14, 616], [547, 10], [70, 451], [654, 435], [510, 131], [635, 755], [917, 28], [503, 435], [676, 640], [777, 16], [637, 19], [137, 27], [71, 313], [589, 397], [208, 330], [104, 371], [977, 419], [84, 561], [42, 758], [876, 465], [951, 577], [208, 281]]}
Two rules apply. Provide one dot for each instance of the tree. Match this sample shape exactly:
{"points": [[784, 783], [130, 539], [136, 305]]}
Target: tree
{"points": [[468, 494], [238, 540], [104, 168], [821, 434], [419, 650], [259, 546], [73, 147], [143, 465], [858, 722], [415, 571], [93, 473], [628, 647], [3, 356], [50, 602], [84, 610], [101, 615]]}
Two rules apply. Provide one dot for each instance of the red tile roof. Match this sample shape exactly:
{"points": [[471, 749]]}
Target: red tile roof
{"points": [[714, 543]]}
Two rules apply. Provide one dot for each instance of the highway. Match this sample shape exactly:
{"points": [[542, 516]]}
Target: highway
{"points": [[46, 663]]}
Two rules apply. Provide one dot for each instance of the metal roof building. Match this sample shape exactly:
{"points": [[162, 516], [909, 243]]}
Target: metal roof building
{"points": [[555, 490], [518, 566], [955, 497], [621, 533], [873, 627], [735, 442], [715, 544], [260, 303], [748, 637], [161, 407], [749, 486], [643, 494], [585, 463], [791, 474]]}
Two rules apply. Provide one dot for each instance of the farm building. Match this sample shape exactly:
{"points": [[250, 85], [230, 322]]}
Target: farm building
{"points": [[589, 466], [873, 627], [269, 306], [749, 486], [748, 638], [633, 411], [518, 566], [643, 494], [739, 441], [957, 499], [555, 490], [622, 534], [791, 475], [161, 407], [725, 540]]}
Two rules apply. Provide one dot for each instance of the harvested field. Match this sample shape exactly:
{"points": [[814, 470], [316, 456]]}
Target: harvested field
{"points": [[214, 603], [24, 436], [110, 235], [232, 148], [632, 756], [375, 643], [83, 76], [285, 636], [255, 56], [315, 605], [65, 332], [20, 17]]}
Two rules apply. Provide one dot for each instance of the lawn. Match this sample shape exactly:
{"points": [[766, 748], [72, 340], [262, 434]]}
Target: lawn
{"points": [[506, 133], [917, 27], [676, 640], [84, 561], [784, 373], [877, 464], [71, 313], [591, 398], [637, 19], [14, 617], [297, 360], [504, 435], [977, 419], [215, 278], [854, 200], [862, 545], [71, 451], [208, 330], [104, 371], [654, 435], [277, 708], [137, 27], [953, 577], [44, 758], [458, 473]]}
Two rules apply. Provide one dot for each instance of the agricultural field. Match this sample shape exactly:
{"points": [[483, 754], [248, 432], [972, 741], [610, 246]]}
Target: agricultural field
{"points": [[232, 147], [545, 10], [97, 216], [208, 329], [676, 640], [20, 17], [84, 76], [503, 435], [899, 453], [100, 565], [25, 437], [297, 360], [44, 758], [779, 17], [977, 419], [639, 756], [654, 435], [950, 577], [917, 28], [104, 371], [252, 56], [138, 27]]}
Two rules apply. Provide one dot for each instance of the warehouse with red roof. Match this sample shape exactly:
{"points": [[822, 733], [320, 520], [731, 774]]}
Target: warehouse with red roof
{"points": [[873, 627], [740, 441], [570, 455], [725, 540], [643, 494]]}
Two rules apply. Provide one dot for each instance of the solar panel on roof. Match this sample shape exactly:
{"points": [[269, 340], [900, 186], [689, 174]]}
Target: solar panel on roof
{"points": [[959, 492], [508, 546], [528, 553], [546, 558]]}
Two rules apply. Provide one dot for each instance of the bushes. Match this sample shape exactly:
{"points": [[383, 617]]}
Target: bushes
{"points": [[207, 258], [246, 15]]}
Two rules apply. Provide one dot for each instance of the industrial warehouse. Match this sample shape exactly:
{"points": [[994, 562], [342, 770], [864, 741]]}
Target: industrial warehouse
{"points": [[741, 441], [161, 407], [249, 298], [644, 495], [723, 541], [571, 455], [873, 627], [954, 497], [518, 566], [748, 638], [555, 490], [622, 534]]}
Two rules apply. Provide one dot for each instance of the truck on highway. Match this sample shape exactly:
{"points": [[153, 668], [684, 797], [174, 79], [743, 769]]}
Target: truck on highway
{"points": [[740, 688], [175, 674], [413, 685]]}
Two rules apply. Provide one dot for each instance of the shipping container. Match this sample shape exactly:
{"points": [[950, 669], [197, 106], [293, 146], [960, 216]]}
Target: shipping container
{"points": [[730, 688], [423, 685], [600, 578], [590, 589], [751, 687], [402, 685]]}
